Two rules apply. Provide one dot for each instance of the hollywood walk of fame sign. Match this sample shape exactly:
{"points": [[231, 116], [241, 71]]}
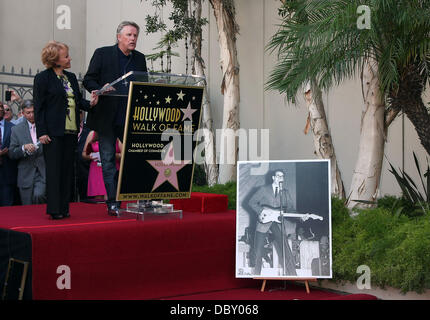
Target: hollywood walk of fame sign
{"points": [[157, 159]]}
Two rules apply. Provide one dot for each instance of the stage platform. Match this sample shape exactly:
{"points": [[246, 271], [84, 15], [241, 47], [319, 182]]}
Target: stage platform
{"points": [[94, 256], [122, 258]]}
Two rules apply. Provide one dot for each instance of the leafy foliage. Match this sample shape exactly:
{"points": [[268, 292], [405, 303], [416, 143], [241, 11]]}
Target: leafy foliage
{"points": [[417, 202], [320, 40], [185, 26], [228, 189], [165, 46], [395, 247]]}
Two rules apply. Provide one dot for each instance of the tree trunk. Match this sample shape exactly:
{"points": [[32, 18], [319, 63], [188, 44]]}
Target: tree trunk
{"points": [[408, 98], [324, 148], [211, 167], [227, 29], [367, 173]]}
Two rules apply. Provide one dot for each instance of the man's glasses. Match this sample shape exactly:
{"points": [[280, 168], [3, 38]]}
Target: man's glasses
{"points": [[6, 109]]}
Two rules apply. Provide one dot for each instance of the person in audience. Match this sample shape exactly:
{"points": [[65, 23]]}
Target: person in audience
{"points": [[9, 116], [7, 165], [96, 187], [25, 148], [8, 113], [82, 165], [57, 104]]}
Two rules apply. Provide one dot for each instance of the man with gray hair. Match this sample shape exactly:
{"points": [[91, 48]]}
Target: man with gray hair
{"points": [[107, 118], [24, 148]]}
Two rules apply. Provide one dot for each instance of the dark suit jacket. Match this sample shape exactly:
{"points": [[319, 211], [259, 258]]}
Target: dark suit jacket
{"points": [[104, 68], [264, 197], [50, 102], [7, 166], [27, 164]]}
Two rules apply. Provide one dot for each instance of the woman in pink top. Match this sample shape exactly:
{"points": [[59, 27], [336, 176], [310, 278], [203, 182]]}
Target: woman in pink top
{"points": [[96, 186]]}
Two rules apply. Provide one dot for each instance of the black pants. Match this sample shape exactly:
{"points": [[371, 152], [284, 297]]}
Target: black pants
{"points": [[259, 248], [59, 157], [107, 146]]}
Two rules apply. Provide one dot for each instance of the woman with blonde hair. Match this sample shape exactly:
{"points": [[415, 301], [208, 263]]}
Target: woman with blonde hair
{"points": [[57, 104]]}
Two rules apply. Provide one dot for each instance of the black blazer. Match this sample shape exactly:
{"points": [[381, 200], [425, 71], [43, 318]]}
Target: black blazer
{"points": [[50, 102], [8, 168], [104, 68]]}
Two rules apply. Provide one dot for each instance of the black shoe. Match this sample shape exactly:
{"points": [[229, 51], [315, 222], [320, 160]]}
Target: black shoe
{"points": [[113, 211], [66, 215], [56, 216]]}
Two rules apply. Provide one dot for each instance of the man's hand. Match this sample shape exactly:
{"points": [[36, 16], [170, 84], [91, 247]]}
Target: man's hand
{"points": [[30, 148], [94, 98], [14, 96], [4, 151], [45, 139], [305, 217]]}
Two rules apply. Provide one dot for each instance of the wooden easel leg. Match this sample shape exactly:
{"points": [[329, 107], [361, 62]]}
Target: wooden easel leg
{"points": [[307, 286], [263, 285]]}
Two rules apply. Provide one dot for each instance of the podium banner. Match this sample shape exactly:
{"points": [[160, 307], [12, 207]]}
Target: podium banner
{"points": [[158, 145]]}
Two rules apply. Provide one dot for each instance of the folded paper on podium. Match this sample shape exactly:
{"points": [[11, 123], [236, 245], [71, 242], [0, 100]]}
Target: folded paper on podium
{"points": [[120, 87]]}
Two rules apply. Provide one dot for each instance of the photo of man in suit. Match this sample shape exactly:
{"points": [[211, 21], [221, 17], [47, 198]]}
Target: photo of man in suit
{"points": [[108, 117], [25, 148], [283, 218], [266, 200], [7, 166]]}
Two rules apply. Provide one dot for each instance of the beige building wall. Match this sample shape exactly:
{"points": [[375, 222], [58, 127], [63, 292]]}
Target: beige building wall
{"points": [[26, 25]]}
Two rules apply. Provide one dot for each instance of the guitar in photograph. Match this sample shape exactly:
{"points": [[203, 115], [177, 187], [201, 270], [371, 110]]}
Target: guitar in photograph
{"points": [[274, 215]]}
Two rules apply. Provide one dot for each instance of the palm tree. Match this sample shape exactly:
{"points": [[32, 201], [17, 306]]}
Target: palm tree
{"points": [[322, 41]]}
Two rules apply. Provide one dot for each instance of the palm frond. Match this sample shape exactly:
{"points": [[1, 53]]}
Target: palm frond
{"points": [[319, 39]]}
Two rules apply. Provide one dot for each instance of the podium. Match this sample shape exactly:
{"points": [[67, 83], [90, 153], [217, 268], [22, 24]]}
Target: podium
{"points": [[157, 159]]}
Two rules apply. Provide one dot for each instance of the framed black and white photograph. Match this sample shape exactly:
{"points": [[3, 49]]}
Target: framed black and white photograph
{"points": [[283, 223]]}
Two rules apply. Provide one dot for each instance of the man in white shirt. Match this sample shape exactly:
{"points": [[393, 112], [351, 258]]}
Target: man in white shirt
{"points": [[25, 148]]}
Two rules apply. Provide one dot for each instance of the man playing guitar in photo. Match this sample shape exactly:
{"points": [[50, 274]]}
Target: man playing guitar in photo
{"points": [[272, 203]]}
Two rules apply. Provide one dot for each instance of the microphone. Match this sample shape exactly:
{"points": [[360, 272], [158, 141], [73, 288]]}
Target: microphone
{"points": [[280, 185]]}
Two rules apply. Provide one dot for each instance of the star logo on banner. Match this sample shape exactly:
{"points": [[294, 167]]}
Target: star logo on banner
{"points": [[168, 169], [181, 96], [168, 99], [188, 112]]}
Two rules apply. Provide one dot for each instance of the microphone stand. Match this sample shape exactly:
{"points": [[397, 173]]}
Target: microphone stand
{"points": [[282, 228]]}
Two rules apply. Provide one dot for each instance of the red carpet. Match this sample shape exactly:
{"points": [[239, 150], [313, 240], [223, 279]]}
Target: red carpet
{"points": [[113, 258], [122, 258], [290, 292]]}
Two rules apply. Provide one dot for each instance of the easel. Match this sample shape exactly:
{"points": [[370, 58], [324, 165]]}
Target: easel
{"points": [[306, 280]]}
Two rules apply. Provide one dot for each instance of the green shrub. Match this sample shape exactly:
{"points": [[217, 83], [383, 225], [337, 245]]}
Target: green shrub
{"points": [[395, 247], [228, 189]]}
